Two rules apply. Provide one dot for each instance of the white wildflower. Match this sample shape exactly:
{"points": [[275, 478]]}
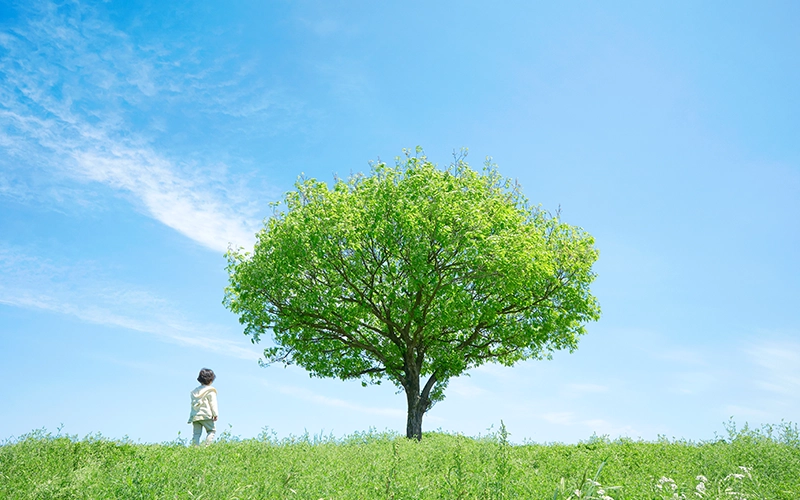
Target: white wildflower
{"points": [[701, 489]]}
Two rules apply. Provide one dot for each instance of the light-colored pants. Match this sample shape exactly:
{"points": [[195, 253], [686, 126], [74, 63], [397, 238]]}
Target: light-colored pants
{"points": [[197, 428]]}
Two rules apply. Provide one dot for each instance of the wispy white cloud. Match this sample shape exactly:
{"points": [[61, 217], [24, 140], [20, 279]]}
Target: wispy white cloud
{"points": [[738, 412], [73, 90], [162, 325], [176, 201], [33, 283], [319, 399], [779, 363], [462, 387]]}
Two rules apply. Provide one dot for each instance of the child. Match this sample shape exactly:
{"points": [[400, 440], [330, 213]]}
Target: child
{"points": [[204, 408]]}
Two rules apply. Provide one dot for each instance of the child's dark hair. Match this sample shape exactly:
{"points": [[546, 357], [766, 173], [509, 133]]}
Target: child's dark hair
{"points": [[206, 376]]}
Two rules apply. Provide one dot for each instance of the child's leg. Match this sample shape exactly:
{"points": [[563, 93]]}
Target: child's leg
{"points": [[211, 430], [197, 429]]}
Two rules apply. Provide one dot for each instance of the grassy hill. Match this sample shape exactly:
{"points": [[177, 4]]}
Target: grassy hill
{"points": [[752, 464]]}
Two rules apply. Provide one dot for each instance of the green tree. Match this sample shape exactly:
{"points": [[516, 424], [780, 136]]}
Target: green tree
{"points": [[413, 274]]}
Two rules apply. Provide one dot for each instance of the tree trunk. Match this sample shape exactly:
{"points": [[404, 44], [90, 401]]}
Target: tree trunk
{"points": [[416, 409], [418, 404]]}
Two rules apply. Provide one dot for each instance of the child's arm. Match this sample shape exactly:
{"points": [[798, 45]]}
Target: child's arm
{"points": [[212, 398]]}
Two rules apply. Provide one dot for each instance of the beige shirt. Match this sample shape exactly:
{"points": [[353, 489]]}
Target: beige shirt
{"points": [[204, 404]]}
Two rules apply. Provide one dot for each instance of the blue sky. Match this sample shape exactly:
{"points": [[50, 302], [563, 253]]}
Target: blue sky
{"points": [[138, 139]]}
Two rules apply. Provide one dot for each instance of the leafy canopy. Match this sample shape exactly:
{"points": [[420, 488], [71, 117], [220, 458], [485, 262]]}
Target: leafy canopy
{"points": [[413, 271]]}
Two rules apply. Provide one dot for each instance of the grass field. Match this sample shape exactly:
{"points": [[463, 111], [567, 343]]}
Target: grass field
{"points": [[746, 463]]}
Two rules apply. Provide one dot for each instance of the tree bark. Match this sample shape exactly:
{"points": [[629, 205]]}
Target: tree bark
{"points": [[418, 403], [416, 409]]}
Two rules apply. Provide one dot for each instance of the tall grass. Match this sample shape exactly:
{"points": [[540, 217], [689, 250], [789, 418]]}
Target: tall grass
{"points": [[747, 463]]}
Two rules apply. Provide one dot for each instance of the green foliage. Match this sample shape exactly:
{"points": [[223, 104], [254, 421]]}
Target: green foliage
{"points": [[413, 271], [586, 488], [373, 465]]}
